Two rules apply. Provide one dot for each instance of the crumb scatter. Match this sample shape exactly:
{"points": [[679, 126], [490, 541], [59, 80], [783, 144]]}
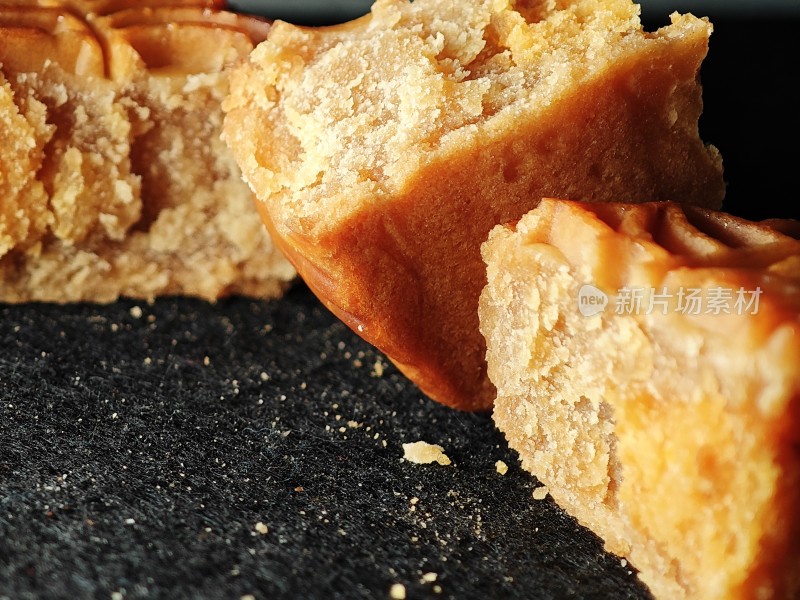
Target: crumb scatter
{"points": [[424, 453]]}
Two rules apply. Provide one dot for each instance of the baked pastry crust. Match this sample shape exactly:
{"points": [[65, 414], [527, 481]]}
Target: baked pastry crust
{"points": [[671, 429], [384, 150], [113, 179]]}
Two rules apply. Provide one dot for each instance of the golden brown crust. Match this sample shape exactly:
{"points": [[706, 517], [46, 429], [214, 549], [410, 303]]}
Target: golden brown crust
{"points": [[112, 185], [445, 119], [670, 430]]}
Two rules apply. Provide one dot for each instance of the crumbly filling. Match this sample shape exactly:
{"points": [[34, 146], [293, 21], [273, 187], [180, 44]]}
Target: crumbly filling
{"points": [[120, 184], [355, 112], [659, 431]]}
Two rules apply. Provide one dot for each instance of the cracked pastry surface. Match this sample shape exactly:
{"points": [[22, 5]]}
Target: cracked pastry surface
{"points": [[385, 149]]}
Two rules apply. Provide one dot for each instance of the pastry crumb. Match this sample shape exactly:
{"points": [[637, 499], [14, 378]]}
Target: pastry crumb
{"points": [[136, 312], [397, 592], [501, 467], [424, 453], [261, 528], [540, 493], [429, 578]]}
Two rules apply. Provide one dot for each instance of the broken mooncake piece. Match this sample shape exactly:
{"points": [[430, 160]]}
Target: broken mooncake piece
{"points": [[385, 149], [647, 364], [113, 177]]}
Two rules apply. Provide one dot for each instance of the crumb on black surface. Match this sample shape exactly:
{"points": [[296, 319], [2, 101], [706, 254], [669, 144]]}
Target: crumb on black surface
{"points": [[210, 451]]}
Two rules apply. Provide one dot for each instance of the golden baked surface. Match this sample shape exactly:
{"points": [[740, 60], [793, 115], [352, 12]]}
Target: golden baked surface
{"points": [[646, 363], [385, 149], [113, 177]]}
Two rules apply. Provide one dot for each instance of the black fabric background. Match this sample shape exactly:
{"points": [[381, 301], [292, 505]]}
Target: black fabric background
{"points": [[129, 465]]}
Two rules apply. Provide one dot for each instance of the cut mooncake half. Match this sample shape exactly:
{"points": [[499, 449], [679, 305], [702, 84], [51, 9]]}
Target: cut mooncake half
{"points": [[384, 150], [647, 364], [113, 178]]}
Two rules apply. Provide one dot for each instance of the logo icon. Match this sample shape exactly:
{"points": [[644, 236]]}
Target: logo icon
{"points": [[591, 300]]}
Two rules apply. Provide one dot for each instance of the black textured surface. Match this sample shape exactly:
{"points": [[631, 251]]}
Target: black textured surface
{"points": [[131, 463]]}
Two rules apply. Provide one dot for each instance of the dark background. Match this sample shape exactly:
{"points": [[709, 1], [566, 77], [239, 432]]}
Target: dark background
{"points": [[751, 106], [131, 464]]}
